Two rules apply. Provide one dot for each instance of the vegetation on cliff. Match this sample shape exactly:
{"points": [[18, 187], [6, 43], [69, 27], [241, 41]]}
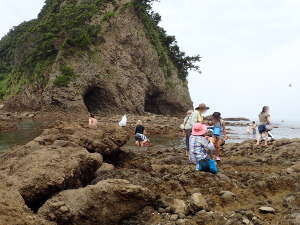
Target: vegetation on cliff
{"points": [[165, 45], [64, 28]]}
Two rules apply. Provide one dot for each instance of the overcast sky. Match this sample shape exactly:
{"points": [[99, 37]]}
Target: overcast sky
{"points": [[250, 50]]}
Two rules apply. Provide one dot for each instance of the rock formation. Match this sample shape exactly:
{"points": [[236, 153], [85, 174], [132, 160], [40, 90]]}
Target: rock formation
{"points": [[91, 55]]}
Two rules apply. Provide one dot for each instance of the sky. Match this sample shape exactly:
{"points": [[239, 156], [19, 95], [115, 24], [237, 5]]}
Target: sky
{"points": [[250, 50]]}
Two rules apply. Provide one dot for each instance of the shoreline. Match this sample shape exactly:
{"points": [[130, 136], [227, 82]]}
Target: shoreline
{"points": [[70, 159]]}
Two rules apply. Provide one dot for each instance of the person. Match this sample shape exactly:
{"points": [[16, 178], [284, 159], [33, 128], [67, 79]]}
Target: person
{"points": [[219, 133], [198, 114], [264, 122], [187, 129], [201, 148], [140, 139], [252, 129], [93, 121]]}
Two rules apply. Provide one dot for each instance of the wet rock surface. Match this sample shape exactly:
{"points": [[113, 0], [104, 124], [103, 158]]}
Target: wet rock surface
{"points": [[75, 175]]}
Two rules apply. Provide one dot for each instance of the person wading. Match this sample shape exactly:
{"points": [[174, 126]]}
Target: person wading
{"points": [[264, 125]]}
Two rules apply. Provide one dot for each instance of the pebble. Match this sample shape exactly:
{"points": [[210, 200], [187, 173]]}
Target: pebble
{"points": [[174, 217], [266, 209], [246, 221], [181, 215], [198, 202], [161, 210], [181, 221], [63, 209], [227, 195]]}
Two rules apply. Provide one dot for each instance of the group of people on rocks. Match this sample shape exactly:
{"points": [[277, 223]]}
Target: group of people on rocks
{"points": [[204, 137]]}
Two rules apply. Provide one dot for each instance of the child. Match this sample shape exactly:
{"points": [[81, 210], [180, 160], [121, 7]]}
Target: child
{"points": [[140, 139], [254, 127], [93, 121], [219, 133], [201, 149]]}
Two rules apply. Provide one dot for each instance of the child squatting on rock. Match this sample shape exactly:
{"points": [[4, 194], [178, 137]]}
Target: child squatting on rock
{"points": [[140, 138], [202, 149]]}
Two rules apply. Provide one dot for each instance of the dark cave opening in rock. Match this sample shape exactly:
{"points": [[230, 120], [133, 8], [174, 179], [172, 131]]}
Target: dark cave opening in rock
{"points": [[157, 104], [98, 100], [152, 103]]}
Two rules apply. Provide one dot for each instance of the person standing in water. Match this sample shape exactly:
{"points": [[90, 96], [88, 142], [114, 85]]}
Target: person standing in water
{"points": [[251, 129], [219, 133], [93, 122], [264, 121]]}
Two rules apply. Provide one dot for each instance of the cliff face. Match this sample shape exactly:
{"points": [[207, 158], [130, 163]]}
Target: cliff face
{"points": [[107, 62]]}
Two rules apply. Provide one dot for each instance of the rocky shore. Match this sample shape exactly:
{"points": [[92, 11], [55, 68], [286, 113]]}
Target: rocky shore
{"points": [[75, 175]]}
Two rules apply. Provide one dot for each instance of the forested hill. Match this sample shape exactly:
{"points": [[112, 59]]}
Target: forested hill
{"points": [[98, 55]]}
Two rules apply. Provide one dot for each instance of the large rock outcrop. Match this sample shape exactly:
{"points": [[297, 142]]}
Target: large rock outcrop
{"points": [[59, 159], [13, 210], [115, 69], [105, 203]]}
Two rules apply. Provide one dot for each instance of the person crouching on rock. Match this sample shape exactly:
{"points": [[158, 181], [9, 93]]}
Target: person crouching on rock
{"points": [[219, 133], [140, 139], [202, 149], [93, 121]]}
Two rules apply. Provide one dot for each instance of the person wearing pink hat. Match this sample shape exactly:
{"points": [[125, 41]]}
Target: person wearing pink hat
{"points": [[202, 149]]}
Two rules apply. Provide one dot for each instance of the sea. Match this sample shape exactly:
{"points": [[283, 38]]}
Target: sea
{"points": [[283, 129], [28, 130]]}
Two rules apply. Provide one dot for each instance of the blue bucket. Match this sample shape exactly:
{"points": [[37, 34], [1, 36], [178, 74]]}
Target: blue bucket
{"points": [[217, 131]]}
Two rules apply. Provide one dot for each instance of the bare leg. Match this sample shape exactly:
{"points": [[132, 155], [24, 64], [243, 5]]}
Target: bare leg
{"points": [[258, 137], [217, 146], [220, 142], [266, 136]]}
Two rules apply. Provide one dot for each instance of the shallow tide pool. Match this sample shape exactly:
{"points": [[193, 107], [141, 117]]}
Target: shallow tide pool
{"points": [[25, 132]]}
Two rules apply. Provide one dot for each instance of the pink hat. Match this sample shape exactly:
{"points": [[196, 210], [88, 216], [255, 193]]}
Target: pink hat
{"points": [[199, 129]]}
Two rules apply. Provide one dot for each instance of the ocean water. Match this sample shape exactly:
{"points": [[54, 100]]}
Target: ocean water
{"points": [[28, 130], [25, 132], [283, 130]]}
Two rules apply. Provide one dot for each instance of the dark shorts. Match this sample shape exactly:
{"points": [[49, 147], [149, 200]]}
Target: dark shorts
{"points": [[262, 129]]}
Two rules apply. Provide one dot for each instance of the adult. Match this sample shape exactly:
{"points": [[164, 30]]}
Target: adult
{"points": [[198, 114], [93, 122], [200, 147], [263, 126], [219, 133], [187, 126], [140, 138]]}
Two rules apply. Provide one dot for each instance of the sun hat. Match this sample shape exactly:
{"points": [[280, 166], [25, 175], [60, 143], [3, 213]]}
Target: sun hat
{"points": [[202, 106], [199, 129], [216, 115]]}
